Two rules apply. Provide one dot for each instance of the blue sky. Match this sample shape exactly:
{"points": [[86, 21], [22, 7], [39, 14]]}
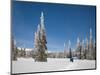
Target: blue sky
{"points": [[63, 22]]}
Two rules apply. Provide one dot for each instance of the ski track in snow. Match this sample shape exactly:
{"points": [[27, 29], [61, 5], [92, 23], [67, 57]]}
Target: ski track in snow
{"points": [[23, 65]]}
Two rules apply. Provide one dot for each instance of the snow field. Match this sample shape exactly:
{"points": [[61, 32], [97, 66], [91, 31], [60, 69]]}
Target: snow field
{"points": [[24, 65]]}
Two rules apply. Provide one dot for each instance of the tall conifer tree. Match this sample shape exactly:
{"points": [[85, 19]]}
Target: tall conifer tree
{"points": [[40, 41]]}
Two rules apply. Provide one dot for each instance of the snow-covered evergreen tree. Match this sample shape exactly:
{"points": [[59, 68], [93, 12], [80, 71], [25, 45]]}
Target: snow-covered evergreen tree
{"points": [[86, 48], [78, 48], [94, 50], [91, 45], [65, 50], [34, 51], [14, 49], [78, 42], [83, 50], [40, 41], [70, 51], [24, 52]]}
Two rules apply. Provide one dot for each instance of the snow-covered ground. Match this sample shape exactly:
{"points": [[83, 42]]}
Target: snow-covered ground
{"points": [[23, 65]]}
